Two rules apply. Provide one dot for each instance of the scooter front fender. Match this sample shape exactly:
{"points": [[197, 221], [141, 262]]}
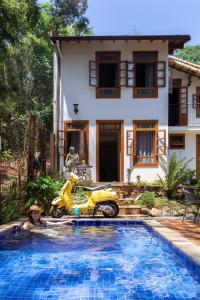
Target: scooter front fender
{"points": [[58, 202]]}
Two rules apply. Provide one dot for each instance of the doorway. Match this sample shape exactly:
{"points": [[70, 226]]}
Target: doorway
{"points": [[174, 103], [109, 151], [178, 104], [77, 136], [198, 155]]}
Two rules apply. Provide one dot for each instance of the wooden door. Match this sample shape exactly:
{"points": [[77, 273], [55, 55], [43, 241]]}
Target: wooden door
{"points": [[198, 154]]}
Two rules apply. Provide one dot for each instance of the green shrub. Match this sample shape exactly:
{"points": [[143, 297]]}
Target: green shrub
{"points": [[79, 196], [12, 207], [175, 175], [147, 200], [6, 155], [42, 191]]}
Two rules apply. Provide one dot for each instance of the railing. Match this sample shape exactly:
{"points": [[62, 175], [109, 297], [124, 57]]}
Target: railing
{"points": [[184, 115]]}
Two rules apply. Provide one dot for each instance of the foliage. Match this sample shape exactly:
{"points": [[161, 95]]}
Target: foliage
{"points": [[42, 191], [26, 59], [79, 195], [6, 155], [190, 53], [10, 203], [66, 13], [175, 174], [197, 187], [147, 200]]}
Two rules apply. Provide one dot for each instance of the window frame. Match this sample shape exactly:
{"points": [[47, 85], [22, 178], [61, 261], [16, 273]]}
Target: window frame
{"points": [[155, 94], [153, 129], [171, 135], [117, 90]]}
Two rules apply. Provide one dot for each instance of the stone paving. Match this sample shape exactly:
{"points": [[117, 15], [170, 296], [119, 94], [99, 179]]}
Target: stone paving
{"points": [[188, 229]]}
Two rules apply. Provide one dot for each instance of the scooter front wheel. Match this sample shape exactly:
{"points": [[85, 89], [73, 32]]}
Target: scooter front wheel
{"points": [[56, 212], [113, 212]]}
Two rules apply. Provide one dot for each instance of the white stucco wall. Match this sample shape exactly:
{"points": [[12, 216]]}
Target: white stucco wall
{"points": [[190, 149]]}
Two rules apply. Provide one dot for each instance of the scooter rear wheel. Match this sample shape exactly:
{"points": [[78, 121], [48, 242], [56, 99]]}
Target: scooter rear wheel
{"points": [[115, 210], [56, 212]]}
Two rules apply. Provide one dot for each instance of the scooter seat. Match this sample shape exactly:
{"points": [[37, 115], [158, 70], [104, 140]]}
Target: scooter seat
{"points": [[97, 187]]}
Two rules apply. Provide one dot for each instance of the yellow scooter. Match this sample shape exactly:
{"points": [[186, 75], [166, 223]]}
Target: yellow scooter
{"points": [[99, 198]]}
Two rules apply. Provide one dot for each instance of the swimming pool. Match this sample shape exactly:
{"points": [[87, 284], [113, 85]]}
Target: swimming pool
{"points": [[115, 261]]}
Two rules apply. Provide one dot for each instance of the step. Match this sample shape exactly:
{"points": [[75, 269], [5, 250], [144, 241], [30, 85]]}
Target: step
{"points": [[129, 210]]}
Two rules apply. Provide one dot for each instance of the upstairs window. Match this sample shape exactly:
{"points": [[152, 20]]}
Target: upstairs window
{"points": [[108, 71], [145, 74], [105, 74], [145, 143]]}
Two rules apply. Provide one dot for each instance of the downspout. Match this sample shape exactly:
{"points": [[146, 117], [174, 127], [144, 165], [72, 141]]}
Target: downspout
{"points": [[57, 114]]}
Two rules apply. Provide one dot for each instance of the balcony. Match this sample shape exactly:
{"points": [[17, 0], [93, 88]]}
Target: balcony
{"points": [[184, 114]]}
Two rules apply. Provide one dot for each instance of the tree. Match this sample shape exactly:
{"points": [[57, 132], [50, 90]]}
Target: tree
{"points": [[66, 12], [190, 53], [26, 55]]}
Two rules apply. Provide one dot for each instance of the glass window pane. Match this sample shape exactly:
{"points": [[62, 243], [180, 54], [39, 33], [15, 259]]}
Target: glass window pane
{"points": [[108, 75], [145, 125], [145, 75], [145, 57], [145, 146], [75, 126], [73, 139]]}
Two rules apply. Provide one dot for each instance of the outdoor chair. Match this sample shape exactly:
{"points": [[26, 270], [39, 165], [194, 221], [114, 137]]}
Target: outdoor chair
{"points": [[191, 199]]}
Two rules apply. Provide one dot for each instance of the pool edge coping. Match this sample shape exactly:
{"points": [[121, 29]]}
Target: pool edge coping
{"points": [[191, 249], [188, 247]]}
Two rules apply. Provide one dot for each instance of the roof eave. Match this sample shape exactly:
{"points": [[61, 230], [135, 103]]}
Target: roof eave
{"points": [[175, 41]]}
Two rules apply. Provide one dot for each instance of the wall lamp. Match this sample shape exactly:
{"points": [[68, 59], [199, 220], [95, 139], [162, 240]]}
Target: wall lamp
{"points": [[75, 108]]}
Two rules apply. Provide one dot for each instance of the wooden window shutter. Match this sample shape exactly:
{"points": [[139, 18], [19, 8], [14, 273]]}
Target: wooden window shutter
{"points": [[170, 82], [123, 73], [183, 105], [131, 142], [82, 144], [92, 73], [194, 101], [161, 73], [161, 142], [184, 95], [197, 102], [61, 140], [130, 80]]}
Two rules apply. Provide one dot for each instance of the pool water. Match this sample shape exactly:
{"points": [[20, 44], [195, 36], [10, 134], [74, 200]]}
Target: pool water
{"points": [[95, 263]]}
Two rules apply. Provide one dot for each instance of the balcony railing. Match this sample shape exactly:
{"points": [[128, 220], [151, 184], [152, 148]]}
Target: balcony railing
{"points": [[184, 114]]}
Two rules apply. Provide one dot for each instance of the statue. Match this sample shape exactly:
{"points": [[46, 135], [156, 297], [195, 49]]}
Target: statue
{"points": [[72, 159]]}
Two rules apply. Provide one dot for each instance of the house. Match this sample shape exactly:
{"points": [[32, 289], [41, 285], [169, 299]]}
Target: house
{"points": [[123, 102]]}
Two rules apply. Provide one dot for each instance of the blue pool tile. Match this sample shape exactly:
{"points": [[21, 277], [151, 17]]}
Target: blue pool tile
{"points": [[96, 260]]}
